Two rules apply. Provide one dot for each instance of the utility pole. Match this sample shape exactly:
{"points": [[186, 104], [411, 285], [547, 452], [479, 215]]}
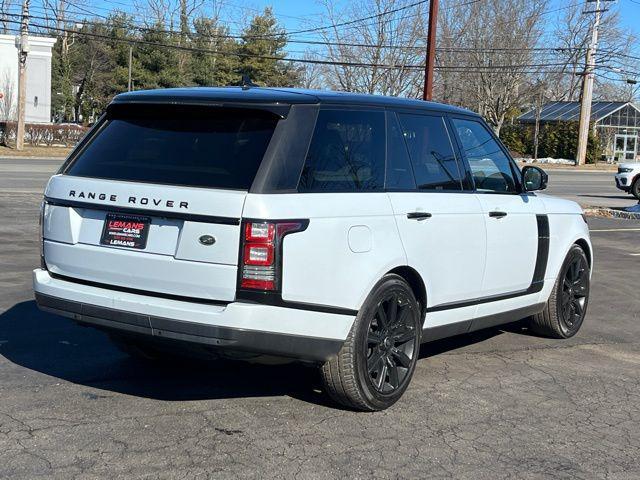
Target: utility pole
{"points": [[130, 61], [61, 25], [431, 51], [536, 133], [23, 50], [587, 88]]}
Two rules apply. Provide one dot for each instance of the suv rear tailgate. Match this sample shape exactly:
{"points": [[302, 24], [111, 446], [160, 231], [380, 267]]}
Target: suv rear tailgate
{"points": [[175, 260]]}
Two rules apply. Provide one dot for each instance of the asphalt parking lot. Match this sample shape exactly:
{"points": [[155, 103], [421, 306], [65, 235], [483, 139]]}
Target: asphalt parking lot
{"points": [[499, 403]]}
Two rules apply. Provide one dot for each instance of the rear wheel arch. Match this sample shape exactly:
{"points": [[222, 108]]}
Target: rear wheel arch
{"points": [[415, 281], [584, 245]]}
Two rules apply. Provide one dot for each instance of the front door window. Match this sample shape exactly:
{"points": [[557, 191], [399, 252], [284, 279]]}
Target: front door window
{"points": [[490, 166]]}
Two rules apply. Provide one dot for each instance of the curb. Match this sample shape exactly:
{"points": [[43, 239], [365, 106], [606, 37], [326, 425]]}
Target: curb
{"points": [[26, 157], [611, 213]]}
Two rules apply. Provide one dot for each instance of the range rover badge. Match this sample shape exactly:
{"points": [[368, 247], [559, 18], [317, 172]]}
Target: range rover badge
{"points": [[207, 240]]}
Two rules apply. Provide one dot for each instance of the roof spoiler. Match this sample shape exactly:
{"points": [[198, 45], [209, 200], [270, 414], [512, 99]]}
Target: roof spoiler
{"points": [[279, 109]]}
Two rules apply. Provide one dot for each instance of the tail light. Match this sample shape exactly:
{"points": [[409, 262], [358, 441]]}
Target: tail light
{"points": [[261, 252]]}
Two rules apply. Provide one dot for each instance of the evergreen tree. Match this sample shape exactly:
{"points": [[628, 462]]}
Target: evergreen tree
{"points": [[262, 51], [159, 64], [219, 69]]}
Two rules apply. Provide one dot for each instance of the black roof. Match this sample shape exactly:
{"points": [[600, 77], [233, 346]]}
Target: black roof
{"points": [[570, 111], [274, 96]]}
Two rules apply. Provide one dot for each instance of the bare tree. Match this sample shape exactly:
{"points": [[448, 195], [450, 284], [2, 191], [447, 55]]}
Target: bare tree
{"points": [[171, 14], [392, 44], [5, 6], [572, 35], [311, 75], [488, 57], [8, 100]]}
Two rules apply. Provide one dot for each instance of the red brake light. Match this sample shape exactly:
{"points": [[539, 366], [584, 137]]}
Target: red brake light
{"points": [[259, 263]]}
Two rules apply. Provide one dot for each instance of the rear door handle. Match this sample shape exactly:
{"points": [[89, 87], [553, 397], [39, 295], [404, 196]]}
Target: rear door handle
{"points": [[497, 214], [418, 215]]}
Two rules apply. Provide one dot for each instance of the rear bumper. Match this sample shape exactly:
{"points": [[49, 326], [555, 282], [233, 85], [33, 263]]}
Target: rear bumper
{"points": [[265, 329]]}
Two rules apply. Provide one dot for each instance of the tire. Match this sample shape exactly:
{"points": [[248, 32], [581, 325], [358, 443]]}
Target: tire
{"points": [[635, 188], [566, 308], [376, 362]]}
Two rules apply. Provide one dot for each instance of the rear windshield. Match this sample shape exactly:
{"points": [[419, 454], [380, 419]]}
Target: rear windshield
{"points": [[178, 145]]}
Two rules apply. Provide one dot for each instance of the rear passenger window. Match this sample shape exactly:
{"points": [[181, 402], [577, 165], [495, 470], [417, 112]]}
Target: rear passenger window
{"points": [[490, 166], [434, 163], [346, 154]]}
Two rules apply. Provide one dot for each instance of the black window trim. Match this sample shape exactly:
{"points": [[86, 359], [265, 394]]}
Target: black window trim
{"points": [[280, 133], [390, 114], [512, 164]]}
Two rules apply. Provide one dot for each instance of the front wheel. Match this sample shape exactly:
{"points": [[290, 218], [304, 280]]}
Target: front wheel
{"points": [[564, 312], [376, 362]]}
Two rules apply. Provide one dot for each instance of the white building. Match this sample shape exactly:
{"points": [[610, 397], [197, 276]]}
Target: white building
{"points": [[38, 105]]}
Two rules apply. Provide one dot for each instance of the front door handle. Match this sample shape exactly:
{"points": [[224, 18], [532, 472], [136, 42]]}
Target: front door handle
{"points": [[497, 214], [418, 215]]}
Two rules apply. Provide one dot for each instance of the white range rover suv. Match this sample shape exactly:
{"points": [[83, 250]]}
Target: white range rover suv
{"points": [[331, 228]]}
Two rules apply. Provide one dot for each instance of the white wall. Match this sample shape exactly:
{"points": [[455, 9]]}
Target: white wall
{"points": [[38, 107]]}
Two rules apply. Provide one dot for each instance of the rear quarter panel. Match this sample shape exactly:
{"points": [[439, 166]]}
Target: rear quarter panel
{"points": [[351, 242]]}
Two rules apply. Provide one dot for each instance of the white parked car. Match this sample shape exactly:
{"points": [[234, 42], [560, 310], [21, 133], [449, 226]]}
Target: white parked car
{"points": [[628, 178], [338, 229]]}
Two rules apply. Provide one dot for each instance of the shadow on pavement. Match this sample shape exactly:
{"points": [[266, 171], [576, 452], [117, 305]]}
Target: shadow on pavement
{"points": [[450, 344], [59, 347]]}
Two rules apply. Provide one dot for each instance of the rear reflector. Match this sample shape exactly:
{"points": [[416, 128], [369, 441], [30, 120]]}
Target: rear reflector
{"points": [[261, 265]]}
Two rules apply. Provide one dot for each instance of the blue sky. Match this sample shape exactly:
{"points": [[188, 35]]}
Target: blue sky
{"points": [[305, 9], [295, 14], [300, 14]]}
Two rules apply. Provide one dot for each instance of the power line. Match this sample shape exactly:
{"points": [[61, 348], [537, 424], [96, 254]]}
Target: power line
{"points": [[350, 23], [476, 68], [325, 43]]}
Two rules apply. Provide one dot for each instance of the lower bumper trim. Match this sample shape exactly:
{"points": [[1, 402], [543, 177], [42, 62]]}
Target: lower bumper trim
{"points": [[268, 343]]}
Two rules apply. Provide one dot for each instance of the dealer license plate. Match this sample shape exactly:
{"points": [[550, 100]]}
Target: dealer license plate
{"points": [[123, 230]]}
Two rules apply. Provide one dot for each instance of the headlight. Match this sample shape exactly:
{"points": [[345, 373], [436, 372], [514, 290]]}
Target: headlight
{"points": [[43, 207], [624, 170]]}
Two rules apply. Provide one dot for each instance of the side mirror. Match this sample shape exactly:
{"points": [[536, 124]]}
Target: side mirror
{"points": [[534, 178]]}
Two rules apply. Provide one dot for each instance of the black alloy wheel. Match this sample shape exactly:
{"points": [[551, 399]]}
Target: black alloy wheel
{"points": [[575, 293], [377, 360], [391, 340], [564, 311]]}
